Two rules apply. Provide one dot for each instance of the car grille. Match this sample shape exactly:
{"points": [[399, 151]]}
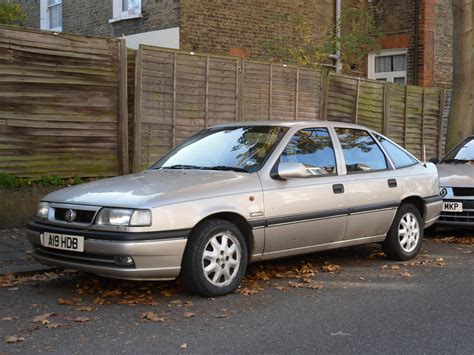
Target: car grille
{"points": [[463, 191], [82, 216], [86, 258], [466, 216]]}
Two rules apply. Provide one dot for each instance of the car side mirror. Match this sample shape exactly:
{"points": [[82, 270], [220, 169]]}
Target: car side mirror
{"points": [[434, 160], [291, 171]]}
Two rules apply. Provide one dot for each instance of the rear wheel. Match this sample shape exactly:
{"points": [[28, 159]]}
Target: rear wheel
{"points": [[215, 259], [403, 241]]}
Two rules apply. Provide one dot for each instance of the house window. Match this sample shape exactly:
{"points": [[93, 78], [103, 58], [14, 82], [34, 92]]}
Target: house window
{"points": [[126, 9], [389, 66], [51, 15]]}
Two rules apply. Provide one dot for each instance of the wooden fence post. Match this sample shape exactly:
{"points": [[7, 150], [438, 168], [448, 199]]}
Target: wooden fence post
{"points": [[356, 116], [206, 119], [173, 120], [297, 92], [323, 113], [123, 108], [137, 128], [237, 88], [423, 99], [440, 123], [241, 82], [386, 109], [270, 95]]}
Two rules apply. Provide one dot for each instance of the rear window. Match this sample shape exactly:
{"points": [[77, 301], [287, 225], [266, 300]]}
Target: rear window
{"points": [[399, 157]]}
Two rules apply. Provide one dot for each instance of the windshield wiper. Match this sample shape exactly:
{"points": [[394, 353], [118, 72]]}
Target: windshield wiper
{"points": [[181, 166], [225, 168], [455, 161]]}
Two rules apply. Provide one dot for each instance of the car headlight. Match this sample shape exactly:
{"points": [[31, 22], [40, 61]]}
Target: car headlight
{"points": [[42, 210], [123, 217]]}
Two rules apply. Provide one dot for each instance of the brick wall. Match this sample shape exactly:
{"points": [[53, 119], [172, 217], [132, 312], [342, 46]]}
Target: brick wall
{"points": [[91, 17], [443, 44], [396, 18], [245, 27], [31, 9]]}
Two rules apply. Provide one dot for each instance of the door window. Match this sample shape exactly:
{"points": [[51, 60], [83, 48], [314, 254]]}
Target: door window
{"points": [[399, 157], [361, 152], [313, 148]]}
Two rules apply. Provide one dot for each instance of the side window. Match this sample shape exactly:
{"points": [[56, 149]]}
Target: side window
{"points": [[399, 157], [313, 148], [361, 152]]}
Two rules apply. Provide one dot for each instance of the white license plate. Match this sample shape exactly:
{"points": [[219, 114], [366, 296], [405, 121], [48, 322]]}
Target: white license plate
{"points": [[452, 206], [62, 241]]}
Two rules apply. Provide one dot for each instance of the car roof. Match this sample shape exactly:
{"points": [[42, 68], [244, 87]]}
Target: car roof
{"points": [[315, 123]]}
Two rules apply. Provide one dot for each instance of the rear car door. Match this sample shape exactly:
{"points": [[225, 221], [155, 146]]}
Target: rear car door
{"points": [[372, 188], [304, 212]]}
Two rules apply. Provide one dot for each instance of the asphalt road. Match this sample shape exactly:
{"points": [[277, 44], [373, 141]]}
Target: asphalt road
{"points": [[367, 305]]}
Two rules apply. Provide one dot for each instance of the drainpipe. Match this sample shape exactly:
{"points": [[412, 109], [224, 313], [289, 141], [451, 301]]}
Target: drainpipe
{"points": [[415, 43], [337, 56]]}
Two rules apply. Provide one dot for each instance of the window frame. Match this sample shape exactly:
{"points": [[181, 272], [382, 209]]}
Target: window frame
{"points": [[394, 167], [388, 161], [45, 16], [388, 76], [119, 14], [334, 152]]}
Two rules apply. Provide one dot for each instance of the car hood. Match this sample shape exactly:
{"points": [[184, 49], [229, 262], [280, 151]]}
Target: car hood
{"points": [[456, 175], [153, 188]]}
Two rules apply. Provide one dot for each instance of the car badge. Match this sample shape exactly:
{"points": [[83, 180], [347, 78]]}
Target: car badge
{"points": [[443, 192], [70, 215]]}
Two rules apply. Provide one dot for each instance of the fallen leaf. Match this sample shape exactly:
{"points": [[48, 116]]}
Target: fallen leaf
{"points": [[176, 302], [282, 288], [81, 319], [188, 304], [247, 291], [332, 268], [184, 346], [13, 339], [151, 316], [42, 317], [189, 314], [406, 274], [53, 325], [85, 309], [9, 318], [395, 267]]}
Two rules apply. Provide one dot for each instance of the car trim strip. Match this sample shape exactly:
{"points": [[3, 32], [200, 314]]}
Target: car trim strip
{"points": [[341, 212], [431, 199], [108, 235]]}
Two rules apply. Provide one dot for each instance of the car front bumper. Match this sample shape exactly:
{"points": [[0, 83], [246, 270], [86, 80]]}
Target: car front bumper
{"points": [[464, 218], [154, 259]]}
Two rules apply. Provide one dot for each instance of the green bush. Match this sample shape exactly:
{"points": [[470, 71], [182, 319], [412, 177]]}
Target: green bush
{"points": [[8, 181]]}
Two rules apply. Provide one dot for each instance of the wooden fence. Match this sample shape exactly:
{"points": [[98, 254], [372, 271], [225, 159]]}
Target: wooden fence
{"points": [[87, 106], [178, 93], [62, 108]]}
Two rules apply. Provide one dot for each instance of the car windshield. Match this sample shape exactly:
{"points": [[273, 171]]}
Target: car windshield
{"points": [[242, 149], [463, 153]]}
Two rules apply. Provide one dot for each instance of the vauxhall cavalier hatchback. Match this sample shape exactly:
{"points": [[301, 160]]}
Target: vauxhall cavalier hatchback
{"points": [[238, 193]]}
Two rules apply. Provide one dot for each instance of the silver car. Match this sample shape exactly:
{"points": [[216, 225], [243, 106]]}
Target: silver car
{"points": [[456, 175], [238, 193]]}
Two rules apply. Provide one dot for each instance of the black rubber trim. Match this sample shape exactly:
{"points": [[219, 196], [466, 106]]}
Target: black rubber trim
{"points": [[107, 235], [433, 199], [322, 214], [373, 207]]}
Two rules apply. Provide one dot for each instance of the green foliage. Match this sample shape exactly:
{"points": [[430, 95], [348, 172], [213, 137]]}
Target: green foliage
{"points": [[12, 14], [359, 36], [50, 181], [9, 182]]}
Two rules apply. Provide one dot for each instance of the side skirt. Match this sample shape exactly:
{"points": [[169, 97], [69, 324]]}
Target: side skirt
{"points": [[319, 247]]}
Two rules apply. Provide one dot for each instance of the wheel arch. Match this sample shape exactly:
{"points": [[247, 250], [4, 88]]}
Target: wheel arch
{"points": [[417, 201], [236, 219]]}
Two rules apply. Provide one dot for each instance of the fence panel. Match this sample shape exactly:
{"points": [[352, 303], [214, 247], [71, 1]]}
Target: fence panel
{"points": [[59, 104]]}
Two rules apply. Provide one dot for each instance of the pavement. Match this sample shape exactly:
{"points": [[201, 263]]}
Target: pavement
{"points": [[15, 253], [345, 301]]}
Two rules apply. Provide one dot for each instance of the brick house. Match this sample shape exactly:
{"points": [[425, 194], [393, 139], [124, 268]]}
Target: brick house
{"points": [[416, 42]]}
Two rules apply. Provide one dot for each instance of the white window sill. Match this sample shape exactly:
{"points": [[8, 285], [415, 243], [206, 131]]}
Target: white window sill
{"points": [[57, 29], [125, 17]]}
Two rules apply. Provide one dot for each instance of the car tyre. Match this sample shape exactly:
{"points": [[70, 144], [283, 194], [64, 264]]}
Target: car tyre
{"points": [[403, 241], [215, 259]]}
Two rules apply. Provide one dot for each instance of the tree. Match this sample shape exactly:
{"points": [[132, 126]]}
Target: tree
{"points": [[12, 14], [460, 124], [359, 36]]}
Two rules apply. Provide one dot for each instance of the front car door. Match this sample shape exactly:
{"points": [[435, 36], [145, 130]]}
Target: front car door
{"points": [[372, 188], [301, 213]]}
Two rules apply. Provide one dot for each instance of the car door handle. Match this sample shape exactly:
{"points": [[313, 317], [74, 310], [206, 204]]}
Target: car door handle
{"points": [[392, 182], [338, 188]]}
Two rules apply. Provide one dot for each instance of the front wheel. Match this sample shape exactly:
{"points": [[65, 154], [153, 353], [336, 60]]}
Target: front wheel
{"points": [[215, 259], [403, 241]]}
